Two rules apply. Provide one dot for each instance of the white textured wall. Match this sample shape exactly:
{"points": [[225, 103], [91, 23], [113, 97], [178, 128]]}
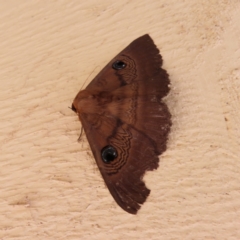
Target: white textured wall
{"points": [[50, 187]]}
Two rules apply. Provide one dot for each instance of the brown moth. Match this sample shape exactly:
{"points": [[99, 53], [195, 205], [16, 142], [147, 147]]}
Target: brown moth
{"points": [[125, 120]]}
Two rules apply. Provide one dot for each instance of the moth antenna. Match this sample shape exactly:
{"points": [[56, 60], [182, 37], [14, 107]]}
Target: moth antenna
{"points": [[88, 78]]}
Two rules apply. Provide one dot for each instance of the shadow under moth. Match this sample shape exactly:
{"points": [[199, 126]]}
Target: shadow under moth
{"points": [[125, 120]]}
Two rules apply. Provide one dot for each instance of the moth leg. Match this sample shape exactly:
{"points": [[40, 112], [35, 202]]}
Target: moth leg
{"points": [[81, 133]]}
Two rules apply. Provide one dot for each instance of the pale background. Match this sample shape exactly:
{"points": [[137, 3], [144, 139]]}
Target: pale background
{"points": [[50, 187]]}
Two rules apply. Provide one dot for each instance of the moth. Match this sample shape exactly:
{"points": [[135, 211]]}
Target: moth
{"points": [[125, 120]]}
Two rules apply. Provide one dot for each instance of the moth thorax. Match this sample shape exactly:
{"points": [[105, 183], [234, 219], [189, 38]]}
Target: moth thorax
{"points": [[86, 102]]}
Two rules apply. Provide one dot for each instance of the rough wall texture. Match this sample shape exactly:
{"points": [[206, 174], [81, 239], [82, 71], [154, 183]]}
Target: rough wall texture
{"points": [[50, 187]]}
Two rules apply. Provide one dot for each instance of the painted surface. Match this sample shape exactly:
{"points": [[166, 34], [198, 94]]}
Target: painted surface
{"points": [[50, 185]]}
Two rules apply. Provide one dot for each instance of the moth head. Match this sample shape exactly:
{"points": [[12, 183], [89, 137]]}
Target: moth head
{"points": [[73, 108]]}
